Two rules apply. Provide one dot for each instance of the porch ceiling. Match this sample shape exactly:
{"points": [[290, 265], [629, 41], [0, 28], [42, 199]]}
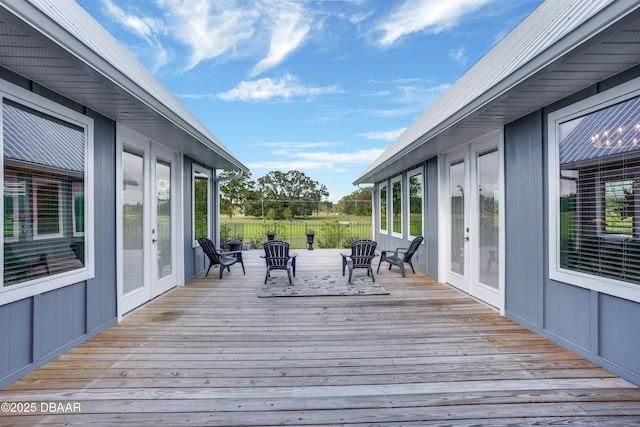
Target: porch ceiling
{"points": [[556, 73], [63, 49]]}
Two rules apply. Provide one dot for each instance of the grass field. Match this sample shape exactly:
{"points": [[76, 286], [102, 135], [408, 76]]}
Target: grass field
{"points": [[333, 231]]}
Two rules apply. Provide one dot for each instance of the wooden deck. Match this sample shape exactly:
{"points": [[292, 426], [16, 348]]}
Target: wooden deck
{"points": [[212, 353]]}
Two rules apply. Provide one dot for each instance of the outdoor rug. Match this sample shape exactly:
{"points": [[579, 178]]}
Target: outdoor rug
{"points": [[314, 286]]}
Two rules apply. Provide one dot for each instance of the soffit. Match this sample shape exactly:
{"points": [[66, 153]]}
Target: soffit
{"points": [[465, 112], [60, 47]]}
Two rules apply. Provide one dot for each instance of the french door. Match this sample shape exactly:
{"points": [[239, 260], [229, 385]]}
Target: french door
{"points": [[147, 256], [472, 189]]}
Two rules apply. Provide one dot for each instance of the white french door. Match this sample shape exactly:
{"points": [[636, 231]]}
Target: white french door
{"points": [[147, 256], [472, 188]]}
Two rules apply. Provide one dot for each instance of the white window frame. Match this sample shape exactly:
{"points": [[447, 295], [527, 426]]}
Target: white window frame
{"points": [[16, 212], [411, 174], [44, 284], [195, 168], [597, 102], [384, 186], [37, 184], [393, 232], [73, 215]]}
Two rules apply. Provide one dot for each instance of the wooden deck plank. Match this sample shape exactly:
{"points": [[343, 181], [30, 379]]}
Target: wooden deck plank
{"points": [[213, 353]]}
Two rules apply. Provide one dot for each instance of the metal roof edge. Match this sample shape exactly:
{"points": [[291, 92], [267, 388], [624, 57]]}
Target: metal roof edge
{"points": [[34, 14], [611, 14]]}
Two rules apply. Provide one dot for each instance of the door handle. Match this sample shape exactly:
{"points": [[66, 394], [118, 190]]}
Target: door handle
{"points": [[466, 239]]}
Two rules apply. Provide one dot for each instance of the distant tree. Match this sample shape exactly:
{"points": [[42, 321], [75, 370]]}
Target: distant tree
{"points": [[235, 193], [356, 203], [292, 192]]}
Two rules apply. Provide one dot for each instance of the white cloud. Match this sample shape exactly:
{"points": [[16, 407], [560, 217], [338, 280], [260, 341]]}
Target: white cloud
{"points": [[389, 135], [289, 30], [431, 16], [338, 162], [221, 30], [147, 28], [267, 89], [458, 55]]}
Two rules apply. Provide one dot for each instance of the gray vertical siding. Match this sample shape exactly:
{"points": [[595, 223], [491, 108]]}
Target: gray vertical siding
{"points": [[620, 341], [524, 213], [38, 329], [600, 327], [102, 293]]}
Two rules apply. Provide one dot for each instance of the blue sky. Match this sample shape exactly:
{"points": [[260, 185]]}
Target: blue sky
{"points": [[321, 86]]}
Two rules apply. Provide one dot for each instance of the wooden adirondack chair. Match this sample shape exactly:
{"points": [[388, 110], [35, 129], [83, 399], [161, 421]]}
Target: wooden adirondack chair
{"points": [[401, 255], [277, 257], [362, 253], [223, 259]]}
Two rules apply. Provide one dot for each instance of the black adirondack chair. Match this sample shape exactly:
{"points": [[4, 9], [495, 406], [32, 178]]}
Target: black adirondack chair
{"points": [[401, 255], [362, 253], [223, 259], [277, 257]]}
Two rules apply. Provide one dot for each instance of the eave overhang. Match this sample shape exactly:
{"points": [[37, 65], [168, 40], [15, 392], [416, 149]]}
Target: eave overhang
{"points": [[604, 42], [58, 45]]}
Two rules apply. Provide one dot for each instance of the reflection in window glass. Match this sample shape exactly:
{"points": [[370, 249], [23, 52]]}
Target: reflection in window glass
{"points": [[456, 191], [396, 205], [200, 204], [132, 221], [163, 206], [416, 195], [599, 157], [383, 207], [488, 216], [44, 164]]}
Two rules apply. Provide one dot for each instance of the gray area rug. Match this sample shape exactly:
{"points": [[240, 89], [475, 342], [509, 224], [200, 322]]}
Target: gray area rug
{"points": [[313, 286]]}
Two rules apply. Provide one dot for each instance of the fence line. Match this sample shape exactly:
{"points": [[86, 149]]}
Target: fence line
{"points": [[330, 234]]}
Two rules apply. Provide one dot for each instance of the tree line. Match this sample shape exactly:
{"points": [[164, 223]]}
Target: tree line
{"points": [[285, 195]]}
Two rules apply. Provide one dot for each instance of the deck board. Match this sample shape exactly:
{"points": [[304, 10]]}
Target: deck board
{"points": [[213, 353]]}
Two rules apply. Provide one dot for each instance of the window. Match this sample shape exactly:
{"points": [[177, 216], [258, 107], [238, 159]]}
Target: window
{"points": [[47, 209], [396, 206], [383, 208], [45, 172], [416, 196], [201, 203], [595, 203]]}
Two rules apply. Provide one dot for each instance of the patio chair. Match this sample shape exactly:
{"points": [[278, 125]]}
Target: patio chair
{"points": [[223, 259], [277, 257], [401, 256], [362, 253]]}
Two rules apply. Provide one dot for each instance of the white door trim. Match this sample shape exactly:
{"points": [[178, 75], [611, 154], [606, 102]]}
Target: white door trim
{"points": [[469, 152]]}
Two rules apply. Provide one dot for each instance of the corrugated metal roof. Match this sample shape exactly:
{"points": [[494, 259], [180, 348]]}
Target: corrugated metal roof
{"points": [[556, 51], [60, 46], [50, 143], [614, 130]]}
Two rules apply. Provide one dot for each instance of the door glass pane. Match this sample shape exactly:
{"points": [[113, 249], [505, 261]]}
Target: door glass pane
{"points": [[456, 191], [132, 221], [163, 203], [488, 217]]}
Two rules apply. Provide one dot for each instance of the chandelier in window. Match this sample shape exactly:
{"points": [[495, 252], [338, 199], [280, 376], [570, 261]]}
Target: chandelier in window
{"points": [[619, 138]]}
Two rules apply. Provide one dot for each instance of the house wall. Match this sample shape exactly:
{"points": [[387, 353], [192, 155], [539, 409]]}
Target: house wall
{"points": [[599, 327], [194, 259], [425, 259], [38, 329]]}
